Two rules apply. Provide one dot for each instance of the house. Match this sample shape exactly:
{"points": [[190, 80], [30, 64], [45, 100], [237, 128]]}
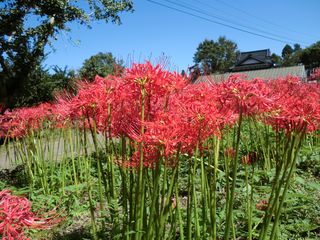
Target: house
{"points": [[256, 64], [253, 60]]}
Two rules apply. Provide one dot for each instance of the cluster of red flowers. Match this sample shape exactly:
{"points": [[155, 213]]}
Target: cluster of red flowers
{"points": [[19, 122], [174, 115], [315, 75], [16, 217], [296, 105]]}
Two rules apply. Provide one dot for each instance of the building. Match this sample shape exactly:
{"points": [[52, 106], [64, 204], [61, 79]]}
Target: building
{"points": [[253, 60], [256, 64]]}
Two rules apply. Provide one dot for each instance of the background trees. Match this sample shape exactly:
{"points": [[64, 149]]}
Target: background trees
{"points": [[291, 56], [310, 56], [100, 64], [26, 27], [216, 56]]}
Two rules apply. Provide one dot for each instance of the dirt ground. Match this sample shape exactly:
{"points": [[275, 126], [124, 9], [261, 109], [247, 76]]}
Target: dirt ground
{"points": [[56, 144], [4, 161]]}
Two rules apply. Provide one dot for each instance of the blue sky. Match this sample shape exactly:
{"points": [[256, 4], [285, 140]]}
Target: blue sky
{"points": [[153, 31]]}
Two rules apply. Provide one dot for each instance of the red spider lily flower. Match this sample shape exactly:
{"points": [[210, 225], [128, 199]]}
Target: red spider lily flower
{"points": [[157, 83], [16, 217], [19, 122], [251, 97], [315, 76], [296, 105], [151, 156], [191, 117]]}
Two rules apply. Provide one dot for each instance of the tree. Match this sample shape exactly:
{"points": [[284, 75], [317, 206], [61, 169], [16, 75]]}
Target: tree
{"points": [[286, 51], [42, 86], [291, 56], [310, 56], [297, 47], [27, 27], [216, 56], [276, 59], [100, 64]]}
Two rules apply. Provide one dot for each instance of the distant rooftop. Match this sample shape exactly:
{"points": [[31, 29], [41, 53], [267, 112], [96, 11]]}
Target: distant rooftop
{"points": [[253, 60], [266, 74]]}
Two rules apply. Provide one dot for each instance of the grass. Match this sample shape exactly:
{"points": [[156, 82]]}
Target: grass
{"points": [[299, 220]]}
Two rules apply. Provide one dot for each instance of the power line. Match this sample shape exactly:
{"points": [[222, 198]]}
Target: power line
{"points": [[262, 19], [193, 8], [244, 18], [219, 23]]}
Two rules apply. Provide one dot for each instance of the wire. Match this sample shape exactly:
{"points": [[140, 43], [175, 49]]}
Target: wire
{"points": [[264, 20], [219, 23], [193, 8]]}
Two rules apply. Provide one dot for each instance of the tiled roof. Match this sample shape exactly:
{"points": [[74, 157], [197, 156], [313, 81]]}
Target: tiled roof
{"points": [[253, 60], [261, 55], [266, 74]]}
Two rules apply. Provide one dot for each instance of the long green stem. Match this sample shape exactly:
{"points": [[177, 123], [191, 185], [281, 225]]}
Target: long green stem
{"points": [[295, 151], [140, 190], [234, 178], [283, 164], [204, 193], [73, 161], [216, 146], [154, 203], [194, 195], [181, 229]]}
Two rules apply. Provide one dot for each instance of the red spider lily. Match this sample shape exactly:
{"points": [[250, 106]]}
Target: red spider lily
{"points": [[251, 97], [151, 156], [17, 123], [157, 83], [89, 106], [175, 114], [296, 105], [16, 217], [191, 117], [315, 76]]}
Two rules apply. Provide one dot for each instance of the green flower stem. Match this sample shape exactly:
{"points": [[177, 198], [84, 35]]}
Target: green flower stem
{"points": [[73, 161], [295, 152], [194, 195], [234, 178], [204, 193], [91, 202], [216, 146], [277, 186], [189, 203], [178, 211], [140, 189], [152, 225], [167, 197]]}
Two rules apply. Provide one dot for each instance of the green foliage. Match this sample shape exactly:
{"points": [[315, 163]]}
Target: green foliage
{"points": [[311, 56], [101, 64], [216, 56], [291, 56], [63, 79], [27, 27], [286, 51], [276, 59], [42, 86], [299, 220]]}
